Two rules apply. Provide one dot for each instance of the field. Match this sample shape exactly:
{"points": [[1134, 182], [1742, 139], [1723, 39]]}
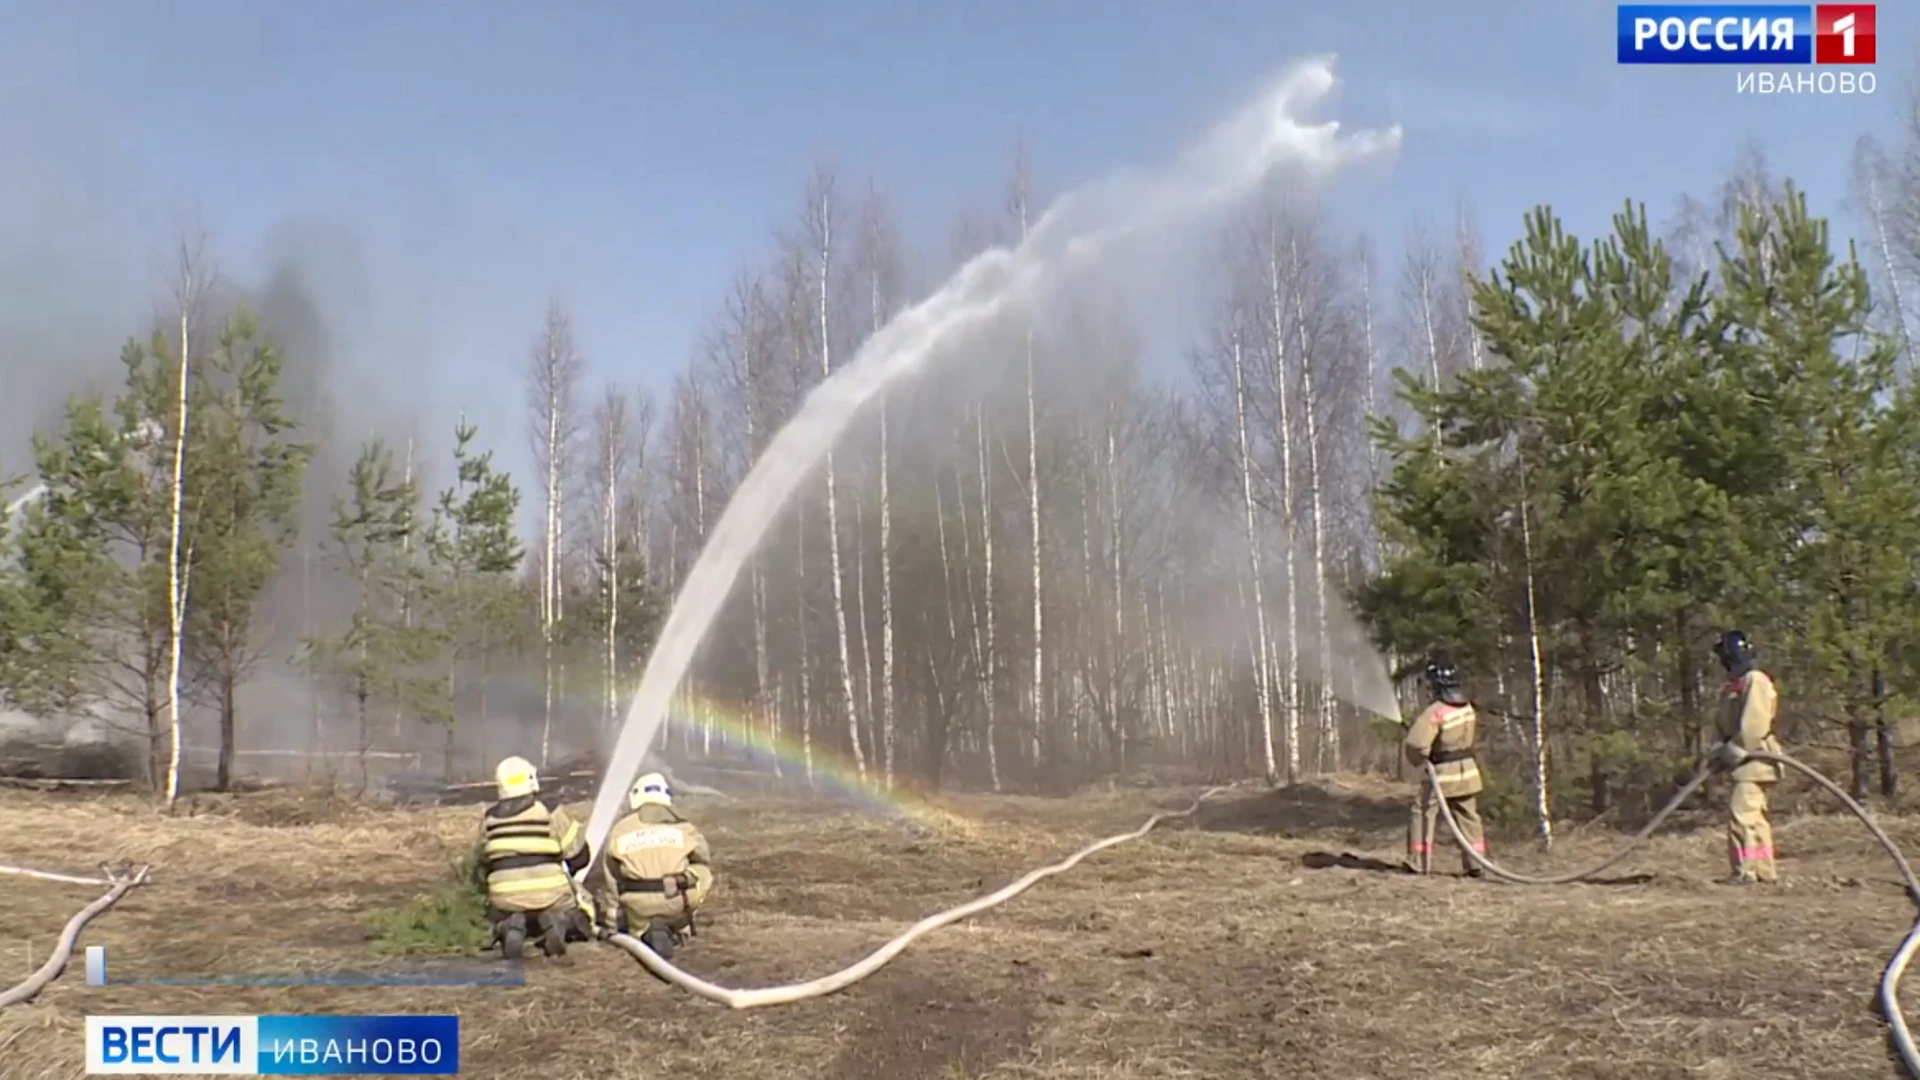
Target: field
{"points": [[1221, 947]]}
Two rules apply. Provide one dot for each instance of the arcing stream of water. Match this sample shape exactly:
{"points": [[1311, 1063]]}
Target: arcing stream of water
{"points": [[32, 493], [1095, 223]]}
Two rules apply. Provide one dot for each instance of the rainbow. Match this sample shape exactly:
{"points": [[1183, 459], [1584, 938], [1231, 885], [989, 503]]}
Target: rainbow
{"points": [[832, 772]]}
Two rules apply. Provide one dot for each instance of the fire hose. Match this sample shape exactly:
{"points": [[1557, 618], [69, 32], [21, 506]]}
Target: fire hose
{"points": [[874, 961], [1888, 1000]]}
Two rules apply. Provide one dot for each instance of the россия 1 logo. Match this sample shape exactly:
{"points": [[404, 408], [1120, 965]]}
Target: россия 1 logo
{"points": [[1768, 38]]}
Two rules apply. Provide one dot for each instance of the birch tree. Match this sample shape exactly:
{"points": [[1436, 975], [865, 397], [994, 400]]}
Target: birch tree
{"points": [[1019, 204], [821, 218], [880, 267], [553, 378], [612, 456], [1871, 174], [1272, 261], [192, 283], [1313, 316], [1422, 297], [1263, 673]]}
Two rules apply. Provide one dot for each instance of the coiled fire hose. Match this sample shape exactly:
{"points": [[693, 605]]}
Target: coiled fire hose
{"points": [[1888, 999]]}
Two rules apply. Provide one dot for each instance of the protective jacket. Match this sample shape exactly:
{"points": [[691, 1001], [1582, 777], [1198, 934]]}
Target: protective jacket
{"points": [[659, 865], [1747, 722], [1443, 734], [529, 852]]}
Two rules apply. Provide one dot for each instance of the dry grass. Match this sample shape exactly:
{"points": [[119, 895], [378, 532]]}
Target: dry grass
{"points": [[1207, 950]]}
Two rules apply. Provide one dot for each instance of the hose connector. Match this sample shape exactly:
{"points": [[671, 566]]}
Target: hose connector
{"points": [[1727, 755]]}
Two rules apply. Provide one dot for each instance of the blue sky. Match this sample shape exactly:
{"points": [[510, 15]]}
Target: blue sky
{"points": [[482, 156]]}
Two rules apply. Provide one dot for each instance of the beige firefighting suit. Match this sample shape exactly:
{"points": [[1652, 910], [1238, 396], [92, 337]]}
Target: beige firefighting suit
{"points": [[528, 852], [1443, 734], [659, 867], [1747, 722]]}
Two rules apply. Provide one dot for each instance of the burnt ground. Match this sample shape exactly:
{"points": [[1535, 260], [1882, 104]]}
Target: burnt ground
{"points": [[1265, 938]]}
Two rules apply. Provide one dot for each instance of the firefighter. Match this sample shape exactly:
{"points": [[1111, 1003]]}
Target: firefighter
{"points": [[1443, 735], [1746, 725], [529, 852], [658, 866]]}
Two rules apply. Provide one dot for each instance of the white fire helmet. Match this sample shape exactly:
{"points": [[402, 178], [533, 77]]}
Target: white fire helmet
{"points": [[650, 789]]}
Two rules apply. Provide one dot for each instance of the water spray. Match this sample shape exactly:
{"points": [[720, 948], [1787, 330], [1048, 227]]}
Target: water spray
{"points": [[1089, 225], [14, 507], [145, 435]]}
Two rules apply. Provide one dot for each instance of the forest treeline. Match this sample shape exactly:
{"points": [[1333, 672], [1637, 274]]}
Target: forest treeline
{"points": [[1570, 467]]}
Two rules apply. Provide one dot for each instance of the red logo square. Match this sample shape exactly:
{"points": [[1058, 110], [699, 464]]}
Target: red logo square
{"points": [[1843, 33]]}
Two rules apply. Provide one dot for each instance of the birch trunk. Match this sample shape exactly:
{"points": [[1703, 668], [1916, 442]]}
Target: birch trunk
{"points": [[1263, 662], [1541, 804], [762, 663], [550, 587], [1469, 268], [1166, 664], [1369, 399], [989, 682], [824, 208], [1033, 517], [1427, 324], [1877, 214], [946, 557], [1114, 530], [1082, 704], [555, 370], [1329, 721], [946, 580], [176, 578], [981, 611], [613, 451], [700, 541], [1290, 686], [1020, 205], [860, 609], [806, 657], [886, 600], [877, 307]]}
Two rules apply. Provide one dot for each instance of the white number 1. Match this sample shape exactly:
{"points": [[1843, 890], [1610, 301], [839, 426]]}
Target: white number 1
{"points": [[1844, 27]]}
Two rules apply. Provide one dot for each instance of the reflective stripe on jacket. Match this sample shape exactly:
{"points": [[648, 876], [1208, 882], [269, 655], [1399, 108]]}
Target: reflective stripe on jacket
{"points": [[525, 847], [1444, 734]]}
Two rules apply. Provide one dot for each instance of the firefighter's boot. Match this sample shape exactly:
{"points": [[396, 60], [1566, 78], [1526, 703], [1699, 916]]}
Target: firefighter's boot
{"points": [[513, 936]]}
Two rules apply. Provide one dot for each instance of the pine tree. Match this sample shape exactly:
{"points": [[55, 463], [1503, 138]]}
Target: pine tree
{"points": [[248, 471], [94, 553], [1843, 509], [473, 553], [374, 656]]}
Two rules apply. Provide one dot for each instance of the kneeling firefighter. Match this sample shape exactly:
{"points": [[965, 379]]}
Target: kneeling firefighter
{"points": [[1443, 734], [658, 865], [529, 853], [1746, 725]]}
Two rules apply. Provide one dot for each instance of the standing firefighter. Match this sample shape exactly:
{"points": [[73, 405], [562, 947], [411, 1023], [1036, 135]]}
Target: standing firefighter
{"points": [[1443, 734], [529, 852], [1746, 726], [658, 865]]}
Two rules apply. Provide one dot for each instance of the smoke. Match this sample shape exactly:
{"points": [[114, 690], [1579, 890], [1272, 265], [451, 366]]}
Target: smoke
{"points": [[90, 237]]}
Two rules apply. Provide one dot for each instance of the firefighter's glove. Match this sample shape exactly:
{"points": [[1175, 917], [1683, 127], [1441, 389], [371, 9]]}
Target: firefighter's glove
{"points": [[1726, 756]]}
